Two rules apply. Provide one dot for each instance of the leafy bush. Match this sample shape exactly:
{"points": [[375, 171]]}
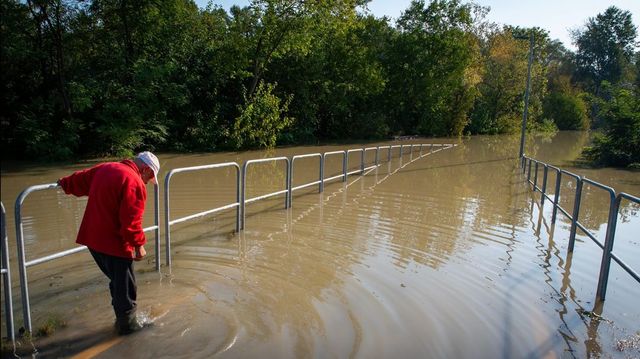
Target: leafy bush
{"points": [[619, 143], [546, 126], [569, 112], [262, 118]]}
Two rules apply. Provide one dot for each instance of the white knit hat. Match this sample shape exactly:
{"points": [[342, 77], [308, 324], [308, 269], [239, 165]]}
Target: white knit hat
{"points": [[152, 161]]}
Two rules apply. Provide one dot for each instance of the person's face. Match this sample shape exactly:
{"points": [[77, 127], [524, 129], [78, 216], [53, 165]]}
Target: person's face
{"points": [[147, 175]]}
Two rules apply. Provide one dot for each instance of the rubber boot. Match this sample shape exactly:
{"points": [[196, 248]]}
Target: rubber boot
{"points": [[128, 324]]}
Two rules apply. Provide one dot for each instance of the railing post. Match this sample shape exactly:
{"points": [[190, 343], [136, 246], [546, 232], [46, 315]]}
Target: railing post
{"points": [[544, 183], [156, 202], [529, 172], [243, 195], [345, 161], [238, 210], [377, 155], [321, 185], [287, 184], [167, 218], [605, 264], [576, 213], [362, 162], [535, 178], [556, 198], [6, 271], [22, 267]]}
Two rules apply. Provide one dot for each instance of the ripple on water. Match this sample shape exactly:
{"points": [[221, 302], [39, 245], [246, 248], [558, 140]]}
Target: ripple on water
{"points": [[445, 256]]}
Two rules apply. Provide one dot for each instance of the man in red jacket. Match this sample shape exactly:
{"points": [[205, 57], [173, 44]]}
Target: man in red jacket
{"points": [[112, 225]]}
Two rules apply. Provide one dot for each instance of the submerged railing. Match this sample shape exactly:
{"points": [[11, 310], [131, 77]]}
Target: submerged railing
{"points": [[6, 277], [614, 207], [239, 205], [23, 264], [288, 189], [167, 210]]}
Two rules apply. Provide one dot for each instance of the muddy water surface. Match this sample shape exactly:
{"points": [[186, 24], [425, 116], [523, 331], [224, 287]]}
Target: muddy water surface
{"points": [[449, 254]]}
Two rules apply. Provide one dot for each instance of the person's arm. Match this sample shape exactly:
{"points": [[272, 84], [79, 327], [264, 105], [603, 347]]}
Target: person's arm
{"points": [[78, 183], [134, 197]]}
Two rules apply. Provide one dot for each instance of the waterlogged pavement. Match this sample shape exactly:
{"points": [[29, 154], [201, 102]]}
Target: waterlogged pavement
{"points": [[449, 254]]}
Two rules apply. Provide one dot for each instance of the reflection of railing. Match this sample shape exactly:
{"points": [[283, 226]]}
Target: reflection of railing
{"points": [[6, 277], [23, 264], [614, 207], [167, 185]]}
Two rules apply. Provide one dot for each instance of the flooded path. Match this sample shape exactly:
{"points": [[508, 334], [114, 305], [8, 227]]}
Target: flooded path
{"points": [[449, 255]]}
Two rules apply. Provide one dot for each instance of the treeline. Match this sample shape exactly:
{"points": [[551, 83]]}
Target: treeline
{"points": [[108, 77]]}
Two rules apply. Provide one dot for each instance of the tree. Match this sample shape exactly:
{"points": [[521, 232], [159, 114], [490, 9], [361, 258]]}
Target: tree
{"points": [[567, 111], [605, 47], [338, 83], [619, 143], [262, 118], [431, 69], [565, 103], [280, 26], [499, 107]]}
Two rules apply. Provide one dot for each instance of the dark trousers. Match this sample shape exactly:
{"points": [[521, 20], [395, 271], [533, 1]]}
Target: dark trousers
{"points": [[122, 283]]}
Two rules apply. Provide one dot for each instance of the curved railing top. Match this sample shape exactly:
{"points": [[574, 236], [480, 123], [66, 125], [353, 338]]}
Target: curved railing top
{"points": [[270, 159], [31, 189]]}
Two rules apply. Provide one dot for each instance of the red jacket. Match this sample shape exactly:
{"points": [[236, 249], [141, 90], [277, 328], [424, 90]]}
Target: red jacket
{"points": [[112, 222]]}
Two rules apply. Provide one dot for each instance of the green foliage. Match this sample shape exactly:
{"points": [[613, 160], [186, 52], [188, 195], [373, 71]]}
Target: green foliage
{"points": [[569, 112], [97, 77], [499, 106], [430, 88], [619, 143], [545, 127], [605, 47], [262, 118]]}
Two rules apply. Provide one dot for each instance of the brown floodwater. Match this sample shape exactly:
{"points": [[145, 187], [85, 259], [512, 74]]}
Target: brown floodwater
{"points": [[446, 255]]}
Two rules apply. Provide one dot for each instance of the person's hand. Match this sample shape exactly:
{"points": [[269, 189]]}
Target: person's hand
{"points": [[140, 253]]}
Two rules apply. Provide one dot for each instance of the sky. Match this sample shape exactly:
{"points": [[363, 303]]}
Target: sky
{"points": [[559, 17]]}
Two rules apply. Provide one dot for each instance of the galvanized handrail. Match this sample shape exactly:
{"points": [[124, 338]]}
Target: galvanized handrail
{"points": [[320, 180], [167, 185], [344, 165], [361, 170], [607, 253], [6, 277], [22, 262], [363, 165], [286, 191], [614, 208]]}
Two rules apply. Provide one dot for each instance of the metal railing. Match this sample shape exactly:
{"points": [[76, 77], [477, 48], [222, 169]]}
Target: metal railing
{"points": [[319, 182], [240, 205], [344, 165], [23, 264], [614, 207], [289, 188], [6, 277], [286, 191], [167, 210]]}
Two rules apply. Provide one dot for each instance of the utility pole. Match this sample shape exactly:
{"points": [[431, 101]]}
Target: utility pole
{"points": [[526, 97]]}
